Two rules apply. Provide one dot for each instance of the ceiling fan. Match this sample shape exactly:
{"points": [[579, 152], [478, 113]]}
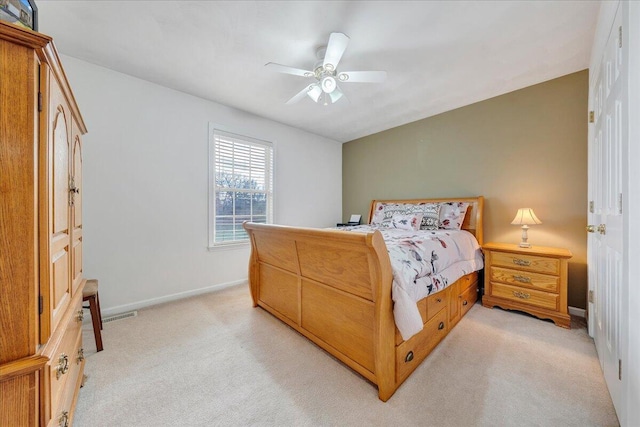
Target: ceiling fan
{"points": [[325, 89]]}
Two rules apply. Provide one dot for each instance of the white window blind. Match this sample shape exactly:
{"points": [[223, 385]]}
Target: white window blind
{"points": [[242, 186]]}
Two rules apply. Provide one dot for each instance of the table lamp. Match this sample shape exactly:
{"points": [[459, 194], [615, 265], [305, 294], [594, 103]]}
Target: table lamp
{"points": [[525, 217]]}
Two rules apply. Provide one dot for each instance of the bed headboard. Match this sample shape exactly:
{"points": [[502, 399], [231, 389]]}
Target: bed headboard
{"points": [[472, 220]]}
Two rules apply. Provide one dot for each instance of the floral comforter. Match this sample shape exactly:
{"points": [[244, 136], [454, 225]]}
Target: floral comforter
{"points": [[424, 262]]}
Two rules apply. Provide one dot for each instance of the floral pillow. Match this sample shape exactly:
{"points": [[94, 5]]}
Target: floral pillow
{"points": [[430, 216], [452, 215], [385, 211], [406, 222]]}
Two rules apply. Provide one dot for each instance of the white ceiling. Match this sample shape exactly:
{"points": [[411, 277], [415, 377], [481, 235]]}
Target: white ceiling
{"points": [[439, 55]]}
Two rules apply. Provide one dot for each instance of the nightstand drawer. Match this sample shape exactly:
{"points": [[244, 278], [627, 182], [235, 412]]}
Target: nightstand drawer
{"points": [[525, 296], [525, 279], [527, 262]]}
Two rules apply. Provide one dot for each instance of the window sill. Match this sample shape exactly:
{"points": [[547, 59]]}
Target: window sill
{"points": [[228, 247]]}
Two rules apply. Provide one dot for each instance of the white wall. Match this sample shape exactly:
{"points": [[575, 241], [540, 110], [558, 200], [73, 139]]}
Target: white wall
{"points": [[145, 186]]}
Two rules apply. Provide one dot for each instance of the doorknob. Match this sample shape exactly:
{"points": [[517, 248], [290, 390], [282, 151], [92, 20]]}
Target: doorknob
{"points": [[591, 228], [602, 229]]}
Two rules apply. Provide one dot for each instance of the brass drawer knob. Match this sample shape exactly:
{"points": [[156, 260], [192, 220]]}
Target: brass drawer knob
{"points": [[439, 300], [591, 228], [522, 295], [63, 365], [80, 357], [465, 302], [522, 279], [521, 262], [80, 315], [63, 421]]}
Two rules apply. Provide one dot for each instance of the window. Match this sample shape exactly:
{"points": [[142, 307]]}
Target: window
{"points": [[241, 186]]}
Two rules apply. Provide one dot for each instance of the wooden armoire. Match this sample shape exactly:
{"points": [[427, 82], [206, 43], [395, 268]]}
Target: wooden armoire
{"points": [[41, 356]]}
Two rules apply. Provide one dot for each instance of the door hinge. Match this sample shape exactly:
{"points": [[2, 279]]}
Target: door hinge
{"points": [[40, 304], [592, 117], [620, 369], [591, 296], [39, 101], [620, 203], [591, 206], [620, 36]]}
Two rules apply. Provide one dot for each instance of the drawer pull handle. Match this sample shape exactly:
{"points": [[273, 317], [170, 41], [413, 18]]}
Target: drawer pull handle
{"points": [[522, 279], [522, 295], [465, 302], [409, 357], [80, 357], [441, 326], [63, 365], [439, 300], [523, 262], [64, 419], [80, 315]]}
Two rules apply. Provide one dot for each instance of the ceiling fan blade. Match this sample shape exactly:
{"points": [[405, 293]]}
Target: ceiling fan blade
{"points": [[288, 70], [362, 76], [337, 45], [298, 96]]}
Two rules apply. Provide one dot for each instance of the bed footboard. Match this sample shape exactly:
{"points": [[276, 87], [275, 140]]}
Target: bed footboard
{"points": [[332, 286]]}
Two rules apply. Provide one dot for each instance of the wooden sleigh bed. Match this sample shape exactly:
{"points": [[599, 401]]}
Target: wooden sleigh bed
{"points": [[334, 287]]}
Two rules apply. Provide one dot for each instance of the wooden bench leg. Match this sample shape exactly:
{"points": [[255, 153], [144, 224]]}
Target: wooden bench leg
{"points": [[99, 311], [95, 318]]}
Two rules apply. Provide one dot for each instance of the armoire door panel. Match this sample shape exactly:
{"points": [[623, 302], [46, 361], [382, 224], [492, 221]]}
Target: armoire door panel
{"points": [[60, 295], [77, 265], [76, 208], [60, 168], [77, 176]]}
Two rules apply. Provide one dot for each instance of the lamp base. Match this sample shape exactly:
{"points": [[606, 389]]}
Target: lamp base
{"points": [[524, 243]]}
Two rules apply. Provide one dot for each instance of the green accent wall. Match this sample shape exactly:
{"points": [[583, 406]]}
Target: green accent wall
{"points": [[527, 148]]}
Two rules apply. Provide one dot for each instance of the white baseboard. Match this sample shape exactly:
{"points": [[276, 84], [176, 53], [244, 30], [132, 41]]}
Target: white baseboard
{"points": [[578, 312], [173, 297]]}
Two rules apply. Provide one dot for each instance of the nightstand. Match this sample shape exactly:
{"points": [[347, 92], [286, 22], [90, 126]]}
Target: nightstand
{"points": [[533, 280]]}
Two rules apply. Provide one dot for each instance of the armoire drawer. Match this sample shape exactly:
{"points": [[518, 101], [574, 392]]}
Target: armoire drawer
{"points": [[63, 360], [61, 411]]}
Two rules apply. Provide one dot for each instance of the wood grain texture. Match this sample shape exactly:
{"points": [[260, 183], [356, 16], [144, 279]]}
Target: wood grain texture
{"points": [[340, 319], [341, 284], [35, 225], [533, 280], [18, 214], [525, 279], [18, 404]]}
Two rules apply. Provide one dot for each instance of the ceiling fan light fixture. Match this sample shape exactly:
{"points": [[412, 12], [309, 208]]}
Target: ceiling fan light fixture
{"points": [[328, 84], [314, 92]]}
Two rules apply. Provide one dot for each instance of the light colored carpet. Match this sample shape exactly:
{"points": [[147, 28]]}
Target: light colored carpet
{"points": [[214, 360]]}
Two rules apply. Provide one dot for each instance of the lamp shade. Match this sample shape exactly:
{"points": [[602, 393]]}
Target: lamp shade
{"points": [[525, 216]]}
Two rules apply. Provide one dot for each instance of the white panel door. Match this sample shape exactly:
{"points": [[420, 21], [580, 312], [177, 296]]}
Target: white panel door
{"points": [[605, 244]]}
